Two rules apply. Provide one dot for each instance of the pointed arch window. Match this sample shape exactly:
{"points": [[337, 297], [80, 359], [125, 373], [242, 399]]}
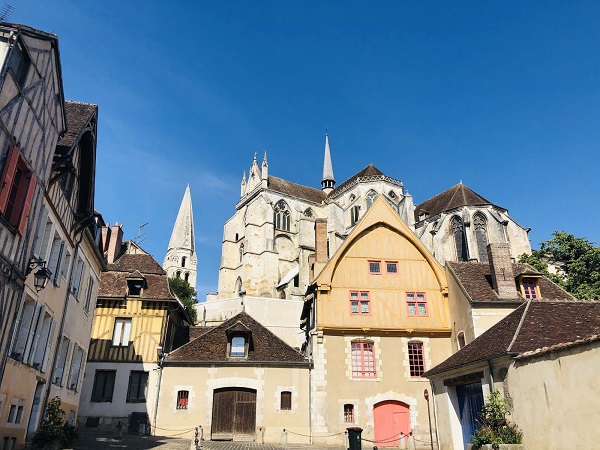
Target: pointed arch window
{"points": [[460, 241], [308, 212], [238, 286], [371, 196], [480, 226], [281, 214], [183, 259], [241, 252]]}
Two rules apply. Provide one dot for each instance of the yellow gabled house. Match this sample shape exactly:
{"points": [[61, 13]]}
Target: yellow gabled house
{"points": [[376, 318]]}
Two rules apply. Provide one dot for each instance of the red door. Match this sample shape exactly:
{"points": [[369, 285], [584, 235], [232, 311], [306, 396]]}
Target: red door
{"points": [[391, 419]]}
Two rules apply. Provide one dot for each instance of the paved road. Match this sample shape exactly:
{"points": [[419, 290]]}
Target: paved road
{"points": [[97, 440]]}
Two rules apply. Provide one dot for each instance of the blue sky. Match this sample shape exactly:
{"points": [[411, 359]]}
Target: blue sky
{"points": [[504, 96]]}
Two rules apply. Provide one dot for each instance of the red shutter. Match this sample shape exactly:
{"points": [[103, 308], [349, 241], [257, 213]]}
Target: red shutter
{"points": [[12, 158], [27, 204]]}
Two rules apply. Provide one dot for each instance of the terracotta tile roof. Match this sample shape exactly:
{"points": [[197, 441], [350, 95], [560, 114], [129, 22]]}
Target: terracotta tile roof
{"points": [[185, 334], [369, 171], [212, 345], [531, 329], [78, 115], [129, 262], [113, 283], [296, 190], [477, 282], [455, 197]]}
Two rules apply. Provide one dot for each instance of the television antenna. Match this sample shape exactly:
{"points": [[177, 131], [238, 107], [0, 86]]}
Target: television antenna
{"points": [[5, 12], [138, 240]]}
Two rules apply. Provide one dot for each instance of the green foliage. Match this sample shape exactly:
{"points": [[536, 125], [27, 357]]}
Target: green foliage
{"points": [[54, 431], [495, 428], [579, 260], [186, 293]]}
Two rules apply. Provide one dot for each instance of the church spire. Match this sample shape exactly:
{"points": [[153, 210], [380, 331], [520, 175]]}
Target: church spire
{"points": [[328, 181], [181, 260]]}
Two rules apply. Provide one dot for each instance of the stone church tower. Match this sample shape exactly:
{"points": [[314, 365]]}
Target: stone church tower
{"points": [[181, 259]]}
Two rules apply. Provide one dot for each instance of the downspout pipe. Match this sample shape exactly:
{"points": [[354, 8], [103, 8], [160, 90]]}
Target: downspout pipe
{"points": [[158, 381], [435, 417]]}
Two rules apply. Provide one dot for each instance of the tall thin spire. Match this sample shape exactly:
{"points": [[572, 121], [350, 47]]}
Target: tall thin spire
{"points": [[328, 181], [181, 259]]}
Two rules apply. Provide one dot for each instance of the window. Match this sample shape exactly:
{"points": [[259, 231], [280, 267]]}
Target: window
{"points": [[459, 238], [16, 190], [416, 361], [33, 336], [417, 304], [186, 277], [238, 346], [122, 332], [359, 302], [286, 401], [183, 259], [76, 368], [62, 361], [104, 385], [77, 279], [281, 218], [138, 383], [134, 287], [354, 214], [55, 258], [182, 399], [19, 63], [19, 414], [11, 414], [65, 265], [178, 274], [479, 224], [241, 252], [88, 294], [371, 196], [308, 212], [391, 267], [529, 289], [461, 340], [374, 267], [348, 413], [363, 360]]}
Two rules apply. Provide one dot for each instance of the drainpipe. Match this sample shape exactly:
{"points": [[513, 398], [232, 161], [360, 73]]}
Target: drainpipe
{"points": [[435, 418], [491, 382], [161, 358], [62, 325]]}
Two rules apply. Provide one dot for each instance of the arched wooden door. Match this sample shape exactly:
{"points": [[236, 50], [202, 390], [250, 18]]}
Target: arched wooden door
{"points": [[234, 414], [391, 418]]}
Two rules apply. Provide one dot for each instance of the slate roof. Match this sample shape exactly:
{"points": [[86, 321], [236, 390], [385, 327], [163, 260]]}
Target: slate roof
{"points": [[455, 197], [369, 171], [295, 190], [113, 283], [211, 346], [78, 115], [531, 329], [476, 279]]}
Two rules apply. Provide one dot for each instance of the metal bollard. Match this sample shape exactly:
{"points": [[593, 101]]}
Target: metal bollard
{"points": [[196, 440], [402, 442]]}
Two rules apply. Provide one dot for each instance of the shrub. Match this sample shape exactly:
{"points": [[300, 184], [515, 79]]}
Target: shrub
{"points": [[54, 431], [495, 428]]}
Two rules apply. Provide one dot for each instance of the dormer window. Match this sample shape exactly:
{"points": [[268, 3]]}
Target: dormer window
{"points": [[238, 346], [529, 287], [134, 287]]}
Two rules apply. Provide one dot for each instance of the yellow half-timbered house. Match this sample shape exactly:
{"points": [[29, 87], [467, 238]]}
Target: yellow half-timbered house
{"points": [[135, 324], [376, 317]]}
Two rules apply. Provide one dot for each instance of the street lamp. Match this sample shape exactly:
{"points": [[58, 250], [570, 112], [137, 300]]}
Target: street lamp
{"points": [[41, 276]]}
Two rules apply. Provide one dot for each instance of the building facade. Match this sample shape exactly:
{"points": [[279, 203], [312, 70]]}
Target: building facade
{"points": [[376, 317], [49, 172], [135, 324]]}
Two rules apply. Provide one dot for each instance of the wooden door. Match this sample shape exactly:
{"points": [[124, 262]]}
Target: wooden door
{"points": [[234, 414], [391, 418], [470, 402]]}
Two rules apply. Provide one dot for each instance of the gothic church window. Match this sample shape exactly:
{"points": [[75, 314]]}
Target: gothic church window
{"points": [[354, 214], [308, 212], [371, 196], [479, 223], [281, 215], [183, 261], [459, 238]]}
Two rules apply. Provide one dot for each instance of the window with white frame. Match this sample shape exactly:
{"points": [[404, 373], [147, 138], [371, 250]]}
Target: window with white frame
{"points": [[59, 371], [55, 258], [417, 303], [348, 413], [76, 367], [363, 360], [66, 265], [416, 359], [182, 399], [32, 339], [122, 332], [77, 278]]}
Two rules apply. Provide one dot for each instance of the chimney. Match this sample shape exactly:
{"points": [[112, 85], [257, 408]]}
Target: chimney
{"points": [[321, 256], [105, 238], [114, 246], [503, 277]]}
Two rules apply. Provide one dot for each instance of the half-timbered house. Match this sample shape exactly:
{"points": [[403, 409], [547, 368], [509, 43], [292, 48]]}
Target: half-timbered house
{"points": [[135, 323]]}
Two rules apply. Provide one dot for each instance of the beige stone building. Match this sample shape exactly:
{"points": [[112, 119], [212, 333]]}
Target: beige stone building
{"points": [[237, 381], [542, 358]]}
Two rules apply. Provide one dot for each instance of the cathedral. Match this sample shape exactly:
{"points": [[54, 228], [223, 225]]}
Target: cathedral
{"points": [[269, 243]]}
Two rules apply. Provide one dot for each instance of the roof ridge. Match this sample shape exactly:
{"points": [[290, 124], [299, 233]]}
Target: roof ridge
{"points": [[518, 330]]}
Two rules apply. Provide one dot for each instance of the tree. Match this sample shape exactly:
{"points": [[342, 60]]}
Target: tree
{"points": [[578, 260], [186, 293], [54, 431]]}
